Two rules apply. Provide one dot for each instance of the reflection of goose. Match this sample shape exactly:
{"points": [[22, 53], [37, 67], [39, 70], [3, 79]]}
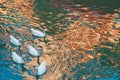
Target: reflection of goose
{"points": [[39, 33], [41, 69], [15, 41], [35, 53], [19, 60]]}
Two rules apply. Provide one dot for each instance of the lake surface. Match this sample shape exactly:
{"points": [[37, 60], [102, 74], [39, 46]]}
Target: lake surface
{"points": [[102, 69]]}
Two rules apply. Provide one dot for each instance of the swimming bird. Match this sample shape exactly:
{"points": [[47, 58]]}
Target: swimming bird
{"points": [[15, 41], [35, 53], [19, 60], [39, 34], [40, 70]]}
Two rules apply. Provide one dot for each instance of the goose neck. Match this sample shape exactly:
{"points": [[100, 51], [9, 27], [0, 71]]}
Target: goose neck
{"points": [[44, 32]]}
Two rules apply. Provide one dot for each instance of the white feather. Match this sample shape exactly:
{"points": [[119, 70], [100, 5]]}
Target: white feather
{"points": [[33, 51], [16, 58], [41, 69], [14, 41]]}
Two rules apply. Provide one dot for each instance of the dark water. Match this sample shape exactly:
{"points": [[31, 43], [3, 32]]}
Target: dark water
{"points": [[107, 6]]}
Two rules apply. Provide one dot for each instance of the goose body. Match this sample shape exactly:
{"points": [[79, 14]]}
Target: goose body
{"points": [[33, 51], [38, 33], [41, 69], [16, 58], [14, 41]]}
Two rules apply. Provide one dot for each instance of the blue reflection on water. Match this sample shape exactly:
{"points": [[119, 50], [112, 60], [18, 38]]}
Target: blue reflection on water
{"points": [[8, 70]]}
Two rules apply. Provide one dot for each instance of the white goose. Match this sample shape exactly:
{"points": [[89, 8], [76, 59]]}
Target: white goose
{"points": [[39, 34], [41, 69], [17, 59], [35, 53], [15, 41]]}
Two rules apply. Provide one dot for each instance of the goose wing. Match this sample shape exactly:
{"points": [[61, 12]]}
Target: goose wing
{"points": [[16, 58], [33, 51], [41, 69]]}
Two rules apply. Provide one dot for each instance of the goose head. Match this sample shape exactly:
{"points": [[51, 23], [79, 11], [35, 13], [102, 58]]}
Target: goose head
{"points": [[46, 29], [39, 48]]}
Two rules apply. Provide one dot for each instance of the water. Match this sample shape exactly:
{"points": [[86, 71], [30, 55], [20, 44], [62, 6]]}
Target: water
{"points": [[104, 68], [94, 69], [8, 69], [100, 69], [11, 71], [106, 6]]}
